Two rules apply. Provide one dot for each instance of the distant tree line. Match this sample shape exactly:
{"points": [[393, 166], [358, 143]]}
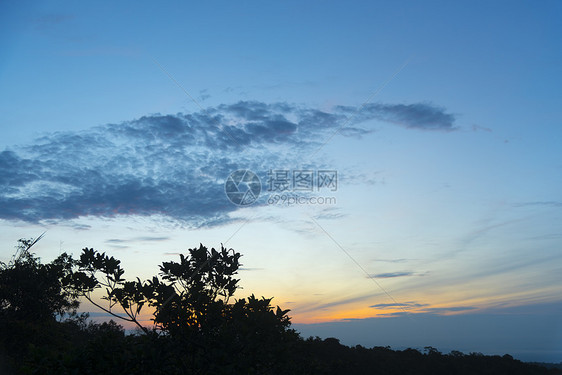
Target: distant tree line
{"points": [[198, 327]]}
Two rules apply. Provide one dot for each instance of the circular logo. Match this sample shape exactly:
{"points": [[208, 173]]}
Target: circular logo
{"points": [[242, 187]]}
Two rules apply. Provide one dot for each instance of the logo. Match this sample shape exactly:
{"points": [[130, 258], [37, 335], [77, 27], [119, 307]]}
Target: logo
{"points": [[242, 187]]}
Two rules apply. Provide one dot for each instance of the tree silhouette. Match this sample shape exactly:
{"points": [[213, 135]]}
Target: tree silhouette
{"points": [[97, 270], [30, 290], [192, 305], [200, 328]]}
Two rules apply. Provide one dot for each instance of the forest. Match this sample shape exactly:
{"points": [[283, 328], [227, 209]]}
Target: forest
{"points": [[198, 325]]}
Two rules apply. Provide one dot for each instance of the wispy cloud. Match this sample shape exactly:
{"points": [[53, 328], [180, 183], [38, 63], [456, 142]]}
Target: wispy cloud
{"points": [[123, 243], [151, 239], [539, 204], [444, 310], [404, 305], [397, 260], [420, 309], [330, 213], [336, 303], [476, 128], [422, 116], [174, 165], [115, 241], [49, 21], [389, 275]]}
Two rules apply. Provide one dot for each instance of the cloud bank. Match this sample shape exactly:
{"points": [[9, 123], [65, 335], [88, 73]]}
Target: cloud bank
{"points": [[175, 165]]}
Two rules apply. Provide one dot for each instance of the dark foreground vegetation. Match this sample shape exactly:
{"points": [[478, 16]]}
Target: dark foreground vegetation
{"points": [[199, 329]]}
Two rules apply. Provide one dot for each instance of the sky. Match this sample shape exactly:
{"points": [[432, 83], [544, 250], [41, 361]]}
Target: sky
{"points": [[403, 180]]}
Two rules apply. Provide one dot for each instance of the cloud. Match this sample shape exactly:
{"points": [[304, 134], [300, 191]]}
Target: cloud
{"points": [[397, 260], [444, 310], [404, 305], [539, 204], [121, 243], [422, 116], [56, 25], [148, 238], [174, 166], [330, 213], [389, 275], [78, 226], [339, 302], [117, 243], [204, 95], [476, 128], [482, 230], [115, 240], [49, 21]]}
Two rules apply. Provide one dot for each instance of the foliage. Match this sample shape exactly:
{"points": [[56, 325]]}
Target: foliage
{"points": [[192, 307], [30, 290], [193, 313]]}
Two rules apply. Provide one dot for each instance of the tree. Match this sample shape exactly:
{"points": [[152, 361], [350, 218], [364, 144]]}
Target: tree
{"points": [[197, 326], [192, 307], [188, 298], [32, 291], [127, 294], [34, 299]]}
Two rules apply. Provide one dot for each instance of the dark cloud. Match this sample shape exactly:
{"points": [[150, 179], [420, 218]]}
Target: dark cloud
{"points": [[175, 165]]}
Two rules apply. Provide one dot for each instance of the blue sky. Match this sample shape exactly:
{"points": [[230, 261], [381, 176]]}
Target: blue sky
{"points": [[122, 122]]}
